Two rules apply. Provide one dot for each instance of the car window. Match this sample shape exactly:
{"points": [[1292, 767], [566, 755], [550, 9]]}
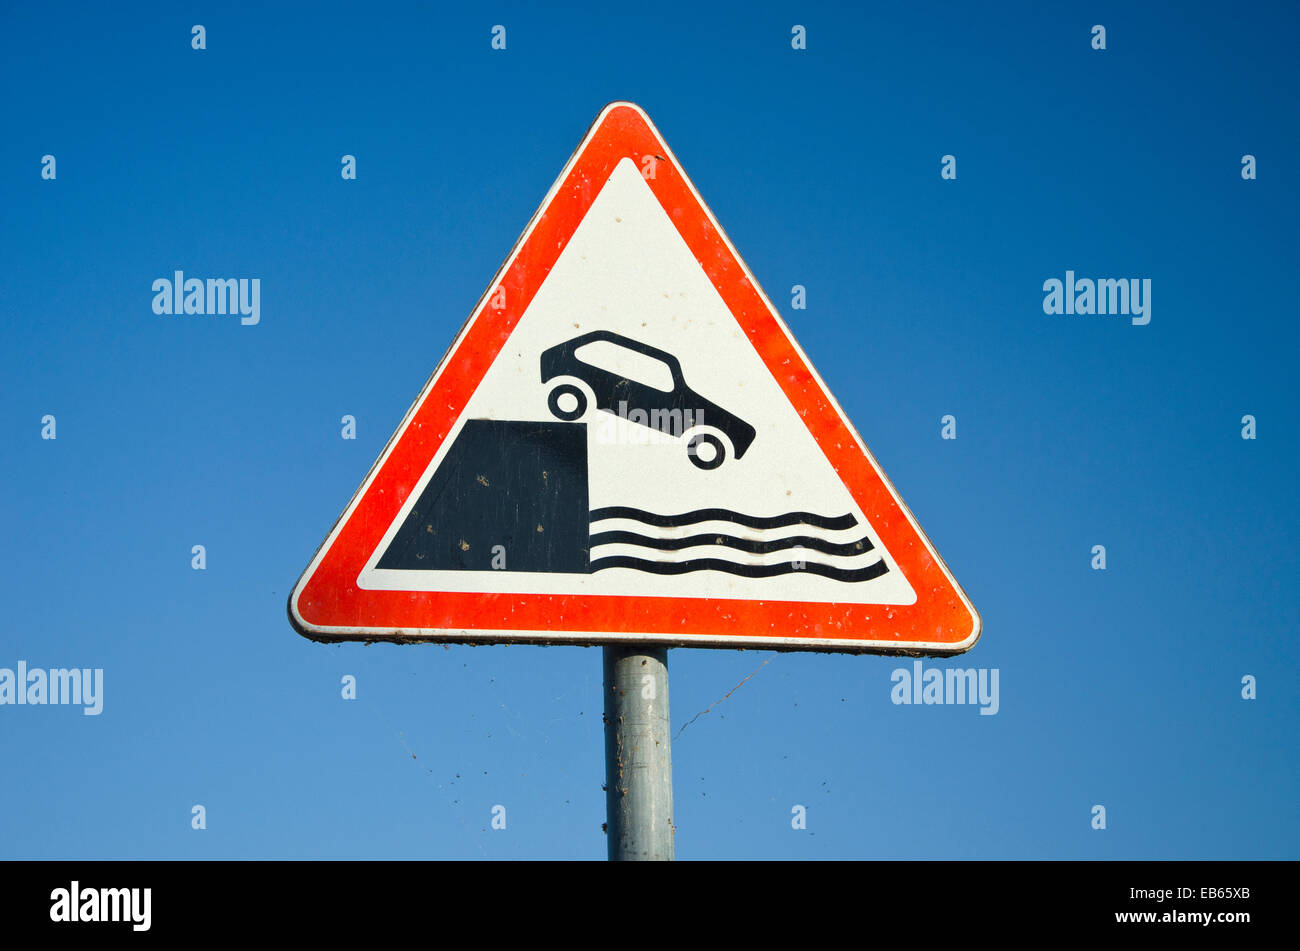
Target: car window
{"points": [[638, 367]]}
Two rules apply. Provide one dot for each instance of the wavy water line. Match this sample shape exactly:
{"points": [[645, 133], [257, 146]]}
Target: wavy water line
{"points": [[715, 528], [859, 547], [731, 567], [832, 523]]}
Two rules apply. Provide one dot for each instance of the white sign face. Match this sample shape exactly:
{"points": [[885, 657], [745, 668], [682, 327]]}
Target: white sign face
{"points": [[626, 444]]}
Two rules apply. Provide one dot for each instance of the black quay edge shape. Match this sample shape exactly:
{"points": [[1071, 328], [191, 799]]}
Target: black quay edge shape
{"points": [[508, 490]]}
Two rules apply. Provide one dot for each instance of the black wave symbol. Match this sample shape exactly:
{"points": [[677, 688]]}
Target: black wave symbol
{"points": [[726, 515], [859, 547], [749, 571]]}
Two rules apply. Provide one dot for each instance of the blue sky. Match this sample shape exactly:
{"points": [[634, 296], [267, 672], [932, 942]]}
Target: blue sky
{"points": [[1119, 687]]}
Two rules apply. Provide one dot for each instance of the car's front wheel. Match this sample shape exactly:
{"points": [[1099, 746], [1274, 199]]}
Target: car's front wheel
{"points": [[567, 402], [706, 450]]}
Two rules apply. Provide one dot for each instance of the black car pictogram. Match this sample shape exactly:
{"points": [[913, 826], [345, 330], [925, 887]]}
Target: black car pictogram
{"points": [[675, 411]]}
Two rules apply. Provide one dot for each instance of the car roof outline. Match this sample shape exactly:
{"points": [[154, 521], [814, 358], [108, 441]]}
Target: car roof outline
{"points": [[595, 336]]}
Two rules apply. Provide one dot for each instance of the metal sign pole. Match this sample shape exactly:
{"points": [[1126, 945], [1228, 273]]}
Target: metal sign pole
{"points": [[638, 754]]}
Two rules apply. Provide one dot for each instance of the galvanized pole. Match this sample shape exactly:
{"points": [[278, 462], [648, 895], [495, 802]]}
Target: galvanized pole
{"points": [[638, 754]]}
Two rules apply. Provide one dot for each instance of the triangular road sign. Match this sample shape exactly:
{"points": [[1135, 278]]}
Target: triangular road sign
{"points": [[625, 444]]}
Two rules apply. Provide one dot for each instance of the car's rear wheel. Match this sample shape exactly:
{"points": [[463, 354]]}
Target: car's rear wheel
{"points": [[706, 450], [567, 402]]}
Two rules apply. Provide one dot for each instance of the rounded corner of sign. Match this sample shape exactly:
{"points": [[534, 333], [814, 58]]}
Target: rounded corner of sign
{"points": [[622, 104], [977, 628], [612, 107], [296, 620]]}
